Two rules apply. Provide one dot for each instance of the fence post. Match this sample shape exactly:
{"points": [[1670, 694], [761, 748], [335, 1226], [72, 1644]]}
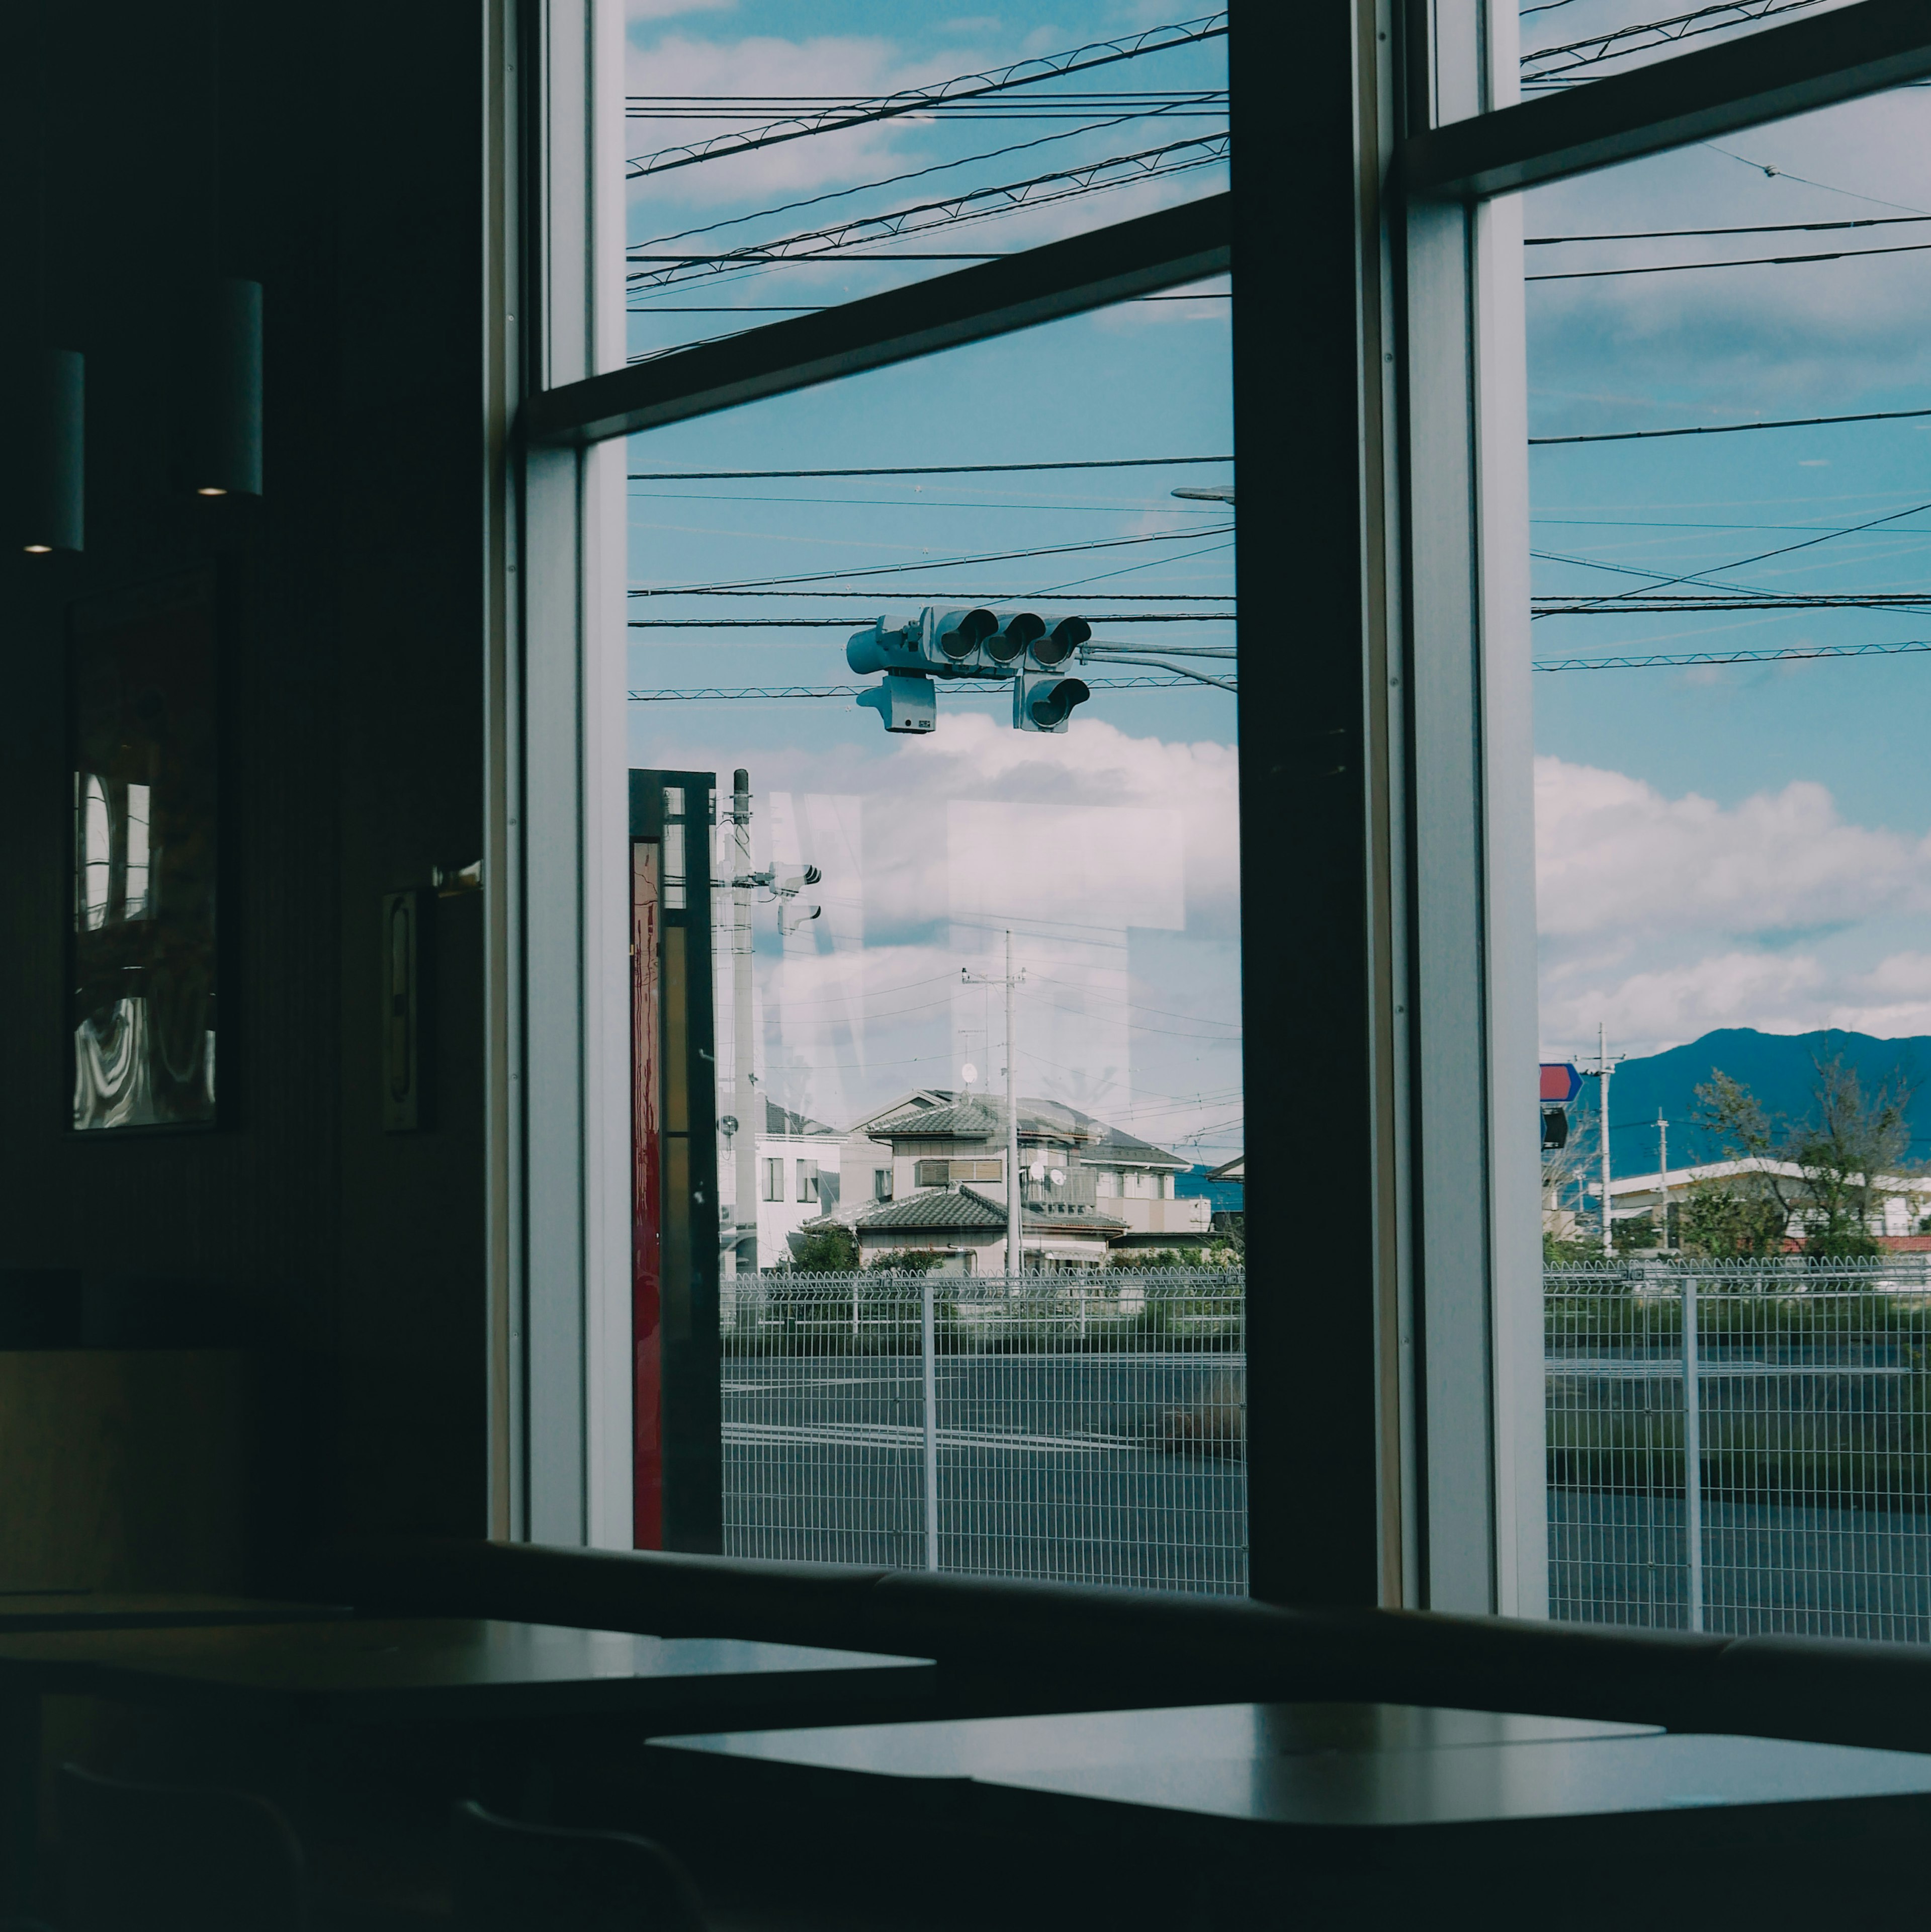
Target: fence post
{"points": [[1692, 1455], [927, 1356]]}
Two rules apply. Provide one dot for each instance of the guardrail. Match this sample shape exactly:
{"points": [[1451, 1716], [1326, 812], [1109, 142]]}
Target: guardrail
{"points": [[1083, 1427]]}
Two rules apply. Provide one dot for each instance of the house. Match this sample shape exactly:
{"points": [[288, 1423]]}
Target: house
{"points": [[936, 1161], [797, 1174], [1906, 1198]]}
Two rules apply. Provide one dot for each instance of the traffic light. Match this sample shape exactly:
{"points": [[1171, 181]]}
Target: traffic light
{"points": [[957, 640], [1041, 702], [1014, 647], [905, 703]]}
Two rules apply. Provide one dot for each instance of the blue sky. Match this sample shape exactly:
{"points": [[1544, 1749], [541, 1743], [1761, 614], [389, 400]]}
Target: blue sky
{"points": [[1111, 851], [1740, 845]]}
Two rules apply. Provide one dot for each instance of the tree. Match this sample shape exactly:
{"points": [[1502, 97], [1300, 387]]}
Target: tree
{"points": [[833, 1250], [1841, 1149]]}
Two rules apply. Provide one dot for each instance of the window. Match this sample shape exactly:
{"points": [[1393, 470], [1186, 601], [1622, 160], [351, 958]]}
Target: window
{"points": [[774, 1178], [931, 1173], [808, 1180], [883, 852]]}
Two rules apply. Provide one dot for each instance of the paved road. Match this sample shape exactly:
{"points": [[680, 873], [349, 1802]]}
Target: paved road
{"points": [[1078, 1468], [1091, 1467], [1620, 1558]]}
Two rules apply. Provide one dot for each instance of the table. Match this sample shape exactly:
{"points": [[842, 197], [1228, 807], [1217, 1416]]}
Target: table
{"points": [[322, 1675], [25, 1612], [1318, 1815]]}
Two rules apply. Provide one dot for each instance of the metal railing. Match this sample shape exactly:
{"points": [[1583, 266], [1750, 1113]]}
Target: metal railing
{"points": [[1741, 1447], [1086, 1427]]}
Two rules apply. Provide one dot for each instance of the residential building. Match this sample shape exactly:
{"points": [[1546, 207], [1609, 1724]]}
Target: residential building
{"points": [[1904, 1199], [798, 1178], [935, 1162]]}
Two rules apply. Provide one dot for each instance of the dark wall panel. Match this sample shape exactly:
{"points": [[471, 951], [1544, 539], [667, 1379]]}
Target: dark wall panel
{"points": [[351, 680]]}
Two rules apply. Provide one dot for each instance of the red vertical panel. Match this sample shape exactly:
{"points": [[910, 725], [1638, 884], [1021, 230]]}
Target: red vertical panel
{"points": [[646, 1206]]}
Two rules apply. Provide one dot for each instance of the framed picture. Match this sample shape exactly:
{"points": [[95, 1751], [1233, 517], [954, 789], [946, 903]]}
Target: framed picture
{"points": [[142, 1016]]}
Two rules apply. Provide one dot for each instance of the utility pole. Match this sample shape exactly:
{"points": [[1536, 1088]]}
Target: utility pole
{"points": [[1662, 1175], [1600, 1072], [744, 1101], [1014, 1252]]}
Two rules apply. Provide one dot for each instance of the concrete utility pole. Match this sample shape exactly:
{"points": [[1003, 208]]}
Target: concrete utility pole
{"points": [[744, 1100], [1015, 1250], [1662, 1174], [1600, 1072]]}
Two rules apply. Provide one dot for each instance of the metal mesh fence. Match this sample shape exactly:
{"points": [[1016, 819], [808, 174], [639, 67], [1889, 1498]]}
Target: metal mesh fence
{"points": [[1742, 1446], [1086, 1428]]}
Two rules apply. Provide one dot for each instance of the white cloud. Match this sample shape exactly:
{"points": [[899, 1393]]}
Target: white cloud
{"points": [[1665, 917], [1615, 855], [665, 9]]}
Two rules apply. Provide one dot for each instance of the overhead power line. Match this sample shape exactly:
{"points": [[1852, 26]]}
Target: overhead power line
{"points": [[939, 563], [1730, 429], [900, 595], [911, 100], [711, 693], [1660, 580], [1089, 126], [846, 623], [1660, 660], [1542, 63], [914, 469], [976, 204], [1746, 262], [1757, 228], [1590, 606]]}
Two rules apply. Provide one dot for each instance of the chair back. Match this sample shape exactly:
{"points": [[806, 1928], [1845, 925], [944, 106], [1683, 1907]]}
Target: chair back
{"points": [[159, 1857], [511, 1877]]}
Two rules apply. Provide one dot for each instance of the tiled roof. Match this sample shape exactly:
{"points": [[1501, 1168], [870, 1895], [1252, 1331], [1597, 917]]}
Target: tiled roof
{"points": [[963, 1120], [946, 1208], [934, 1208], [941, 1113]]}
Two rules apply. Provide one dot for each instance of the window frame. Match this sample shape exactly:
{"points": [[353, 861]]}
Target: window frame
{"points": [[1376, 222]]}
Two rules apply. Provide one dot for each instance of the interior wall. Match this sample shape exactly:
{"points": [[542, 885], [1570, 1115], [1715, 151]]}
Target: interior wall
{"points": [[351, 683]]}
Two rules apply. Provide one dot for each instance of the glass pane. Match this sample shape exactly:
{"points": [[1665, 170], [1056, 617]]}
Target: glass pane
{"points": [[779, 160], [1730, 394], [954, 643]]}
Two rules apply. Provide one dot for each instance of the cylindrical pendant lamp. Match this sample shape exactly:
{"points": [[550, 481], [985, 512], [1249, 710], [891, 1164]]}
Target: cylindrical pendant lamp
{"points": [[224, 439], [53, 452]]}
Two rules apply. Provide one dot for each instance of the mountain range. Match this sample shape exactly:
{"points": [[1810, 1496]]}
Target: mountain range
{"points": [[1780, 1069]]}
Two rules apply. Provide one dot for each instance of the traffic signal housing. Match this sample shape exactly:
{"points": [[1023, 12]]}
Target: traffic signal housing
{"points": [[1042, 702], [906, 703]]}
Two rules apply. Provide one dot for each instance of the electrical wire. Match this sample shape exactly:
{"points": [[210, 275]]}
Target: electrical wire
{"points": [[887, 107], [1796, 653], [1748, 262], [1665, 583], [1604, 44], [892, 180], [900, 594], [915, 469], [1756, 228], [709, 693], [1909, 601], [845, 623], [932, 563], [1729, 429], [1170, 157]]}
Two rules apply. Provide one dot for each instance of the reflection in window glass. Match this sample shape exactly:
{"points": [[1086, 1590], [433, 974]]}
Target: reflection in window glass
{"points": [[96, 848], [975, 926], [779, 160], [1734, 830], [137, 852]]}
